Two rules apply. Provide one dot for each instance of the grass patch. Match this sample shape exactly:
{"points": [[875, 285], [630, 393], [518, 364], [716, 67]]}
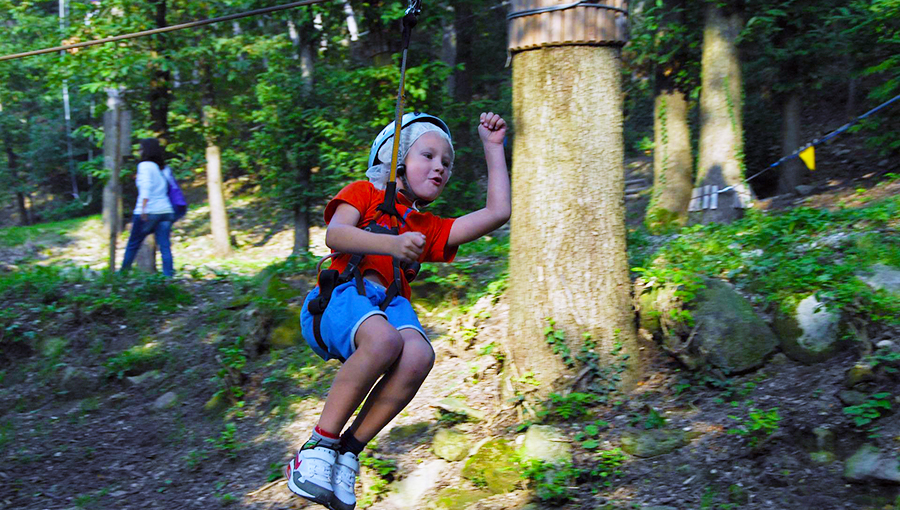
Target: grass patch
{"points": [[53, 232]]}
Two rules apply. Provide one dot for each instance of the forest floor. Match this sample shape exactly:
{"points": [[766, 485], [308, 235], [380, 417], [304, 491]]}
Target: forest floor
{"points": [[134, 406]]}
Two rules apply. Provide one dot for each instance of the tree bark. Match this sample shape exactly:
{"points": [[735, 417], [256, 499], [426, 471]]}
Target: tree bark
{"points": [[160, 95], [721, 121], [117, 140], [13, 163], [672, 162], [448, 48], [218, 216], [146, 256], [792, 170], [567, 252], [465, 35]]}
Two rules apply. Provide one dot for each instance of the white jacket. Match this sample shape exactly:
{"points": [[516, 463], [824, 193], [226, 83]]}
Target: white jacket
{"points": [[153, 187]]}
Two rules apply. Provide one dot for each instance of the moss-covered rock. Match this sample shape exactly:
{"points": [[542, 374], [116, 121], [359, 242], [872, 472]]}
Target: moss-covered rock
{"points": [[451, 444], [729, 334], [287, 333], [404, 432], [494, 467], [652, 443], [546, 443], [453, 498]]}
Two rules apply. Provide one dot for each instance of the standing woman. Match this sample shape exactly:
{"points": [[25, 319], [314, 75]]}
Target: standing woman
{"points": [[153, 213]]}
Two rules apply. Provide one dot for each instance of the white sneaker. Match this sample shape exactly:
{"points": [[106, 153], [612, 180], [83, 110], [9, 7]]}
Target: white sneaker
{"points": [[309, 474], [346, 468]]}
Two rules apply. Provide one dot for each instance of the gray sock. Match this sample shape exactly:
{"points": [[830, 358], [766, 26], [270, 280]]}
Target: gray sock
{"points": [[317, 439]]}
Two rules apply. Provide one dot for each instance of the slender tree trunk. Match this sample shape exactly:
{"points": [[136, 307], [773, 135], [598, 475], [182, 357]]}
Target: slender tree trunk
{"points": [[304, 46], [721, 120], [791, 171], [218, 214], [160, 95], [114, 120], [465, 35], [13, 163], [672, 162], [145, 260], [448, 48], [567, 252]]}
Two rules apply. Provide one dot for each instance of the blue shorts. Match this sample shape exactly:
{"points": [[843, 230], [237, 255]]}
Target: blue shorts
{"points": [[346, 311]]}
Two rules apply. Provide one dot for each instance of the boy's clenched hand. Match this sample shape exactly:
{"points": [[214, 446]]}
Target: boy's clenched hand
{"points": [[408, 246], [491, 128]]}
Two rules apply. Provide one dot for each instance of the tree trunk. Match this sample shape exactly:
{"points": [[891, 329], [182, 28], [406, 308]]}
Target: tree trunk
{"points": [[145, 260], [567, 252], [160, 78], [301, 229], [13, 163], [218, 216], [304, 47], [116, 143], [792, 170], [672, 162], [448, 48], [721, 125], [465, 35]]}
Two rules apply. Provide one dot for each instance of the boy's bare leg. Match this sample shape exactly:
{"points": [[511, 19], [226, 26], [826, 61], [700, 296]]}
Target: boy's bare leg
{"points": [[397, 388], [378, 347]]}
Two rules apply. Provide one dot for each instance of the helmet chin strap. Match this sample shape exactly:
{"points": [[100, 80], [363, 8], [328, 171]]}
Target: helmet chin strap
{"points": [[408, 192]]}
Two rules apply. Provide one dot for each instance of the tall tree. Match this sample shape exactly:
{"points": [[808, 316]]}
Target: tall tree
{"points": [[567, 248], [721, 160]]}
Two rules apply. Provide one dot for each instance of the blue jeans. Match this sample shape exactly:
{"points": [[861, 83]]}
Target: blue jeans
{"points": [[160, 225]]}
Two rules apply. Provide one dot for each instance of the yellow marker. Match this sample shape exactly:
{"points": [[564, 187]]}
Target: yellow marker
{"points": [[808, 155]]}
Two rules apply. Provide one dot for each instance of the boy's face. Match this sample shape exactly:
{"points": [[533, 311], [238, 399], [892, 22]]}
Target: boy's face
{"points": [[428, 166]]}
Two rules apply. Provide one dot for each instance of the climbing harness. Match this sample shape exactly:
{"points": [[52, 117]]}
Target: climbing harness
{"points": [[328, 279]]}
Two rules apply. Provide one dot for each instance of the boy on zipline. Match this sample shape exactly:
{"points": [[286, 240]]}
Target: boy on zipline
{"points": [[362, 318]]}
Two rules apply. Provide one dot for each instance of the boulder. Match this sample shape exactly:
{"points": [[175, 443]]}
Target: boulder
{"points": [[409, 493], [76, 383], [546, 443], [729, 334], [458, 405], [493, 466], [165, 401], [810, 334], [451, 444], [453, 498], [869, 464], [881, 276]]}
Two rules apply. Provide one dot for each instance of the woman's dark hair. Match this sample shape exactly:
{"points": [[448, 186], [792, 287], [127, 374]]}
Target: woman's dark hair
{"points": [[151, 150]]}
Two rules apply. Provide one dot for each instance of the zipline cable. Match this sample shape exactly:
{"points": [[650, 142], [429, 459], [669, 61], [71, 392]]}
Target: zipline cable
{"points": [[814, 143], [171, 28]]}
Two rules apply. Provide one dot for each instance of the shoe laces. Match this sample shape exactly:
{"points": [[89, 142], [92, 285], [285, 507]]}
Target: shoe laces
{"points": [[346, 476]]}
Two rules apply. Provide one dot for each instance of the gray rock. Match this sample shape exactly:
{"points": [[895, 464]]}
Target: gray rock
{"points": [[652, 443], [458, 405], [75, 383], [869, 464], [811, 334], [886, 344], [146, 377], [851, 397], [881, 276], [859, 373], [451, 444], [804, 189], [408, 493], [729, 334], [165, 401], [546, 443]]}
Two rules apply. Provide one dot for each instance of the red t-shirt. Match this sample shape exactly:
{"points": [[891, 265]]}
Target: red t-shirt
{"points": [[365, 198]]}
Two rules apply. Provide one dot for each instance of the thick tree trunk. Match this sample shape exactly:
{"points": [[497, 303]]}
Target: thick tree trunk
{"points": [[160, 94], [218, 216], [116, 143], [721, 124], [567, 253], [13, 163], [792, 170], [672, 162]]}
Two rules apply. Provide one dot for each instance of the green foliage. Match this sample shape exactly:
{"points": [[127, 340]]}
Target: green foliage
{"points": [[552, 483], [757, 426], [574, 405], [556, 339], [590, 436], [876, 406], [384, 470], [783, 257], [606, 469], [135, 359], [226, 442]]}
